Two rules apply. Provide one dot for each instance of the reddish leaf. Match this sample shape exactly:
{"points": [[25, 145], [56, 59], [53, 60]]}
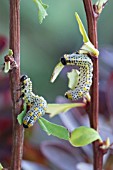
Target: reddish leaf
{"points": [[61, 154], [109, 93], [27, 165], [3, 43]]}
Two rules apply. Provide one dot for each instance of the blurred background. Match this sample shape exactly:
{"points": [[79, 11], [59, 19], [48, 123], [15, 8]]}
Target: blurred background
{"points": [[41, 48]]}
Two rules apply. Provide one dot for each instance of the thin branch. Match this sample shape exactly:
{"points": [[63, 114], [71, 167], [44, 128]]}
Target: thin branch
{"points": [[91, 22], [18, 132], [92, 33], [94, 105]]}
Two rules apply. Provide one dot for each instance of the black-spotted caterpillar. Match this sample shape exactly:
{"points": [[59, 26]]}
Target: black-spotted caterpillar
{"points": [[36, 103], [85, 77]]}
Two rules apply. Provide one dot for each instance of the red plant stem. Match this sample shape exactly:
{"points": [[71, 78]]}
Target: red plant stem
{"points": [[18, 132], [94, 105]]}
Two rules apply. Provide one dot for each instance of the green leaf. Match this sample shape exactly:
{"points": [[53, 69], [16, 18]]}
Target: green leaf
{"points": [[41, 10], [22, 114], [7, 67], [87, 47], [73, 77], [54, 129], [100, 4], [83, 136], [54, 109], [1, 167], [56, 71], [44, 5], [10, 52], [81, 28]]}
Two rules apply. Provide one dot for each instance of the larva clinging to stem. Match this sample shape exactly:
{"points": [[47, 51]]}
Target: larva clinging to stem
{"points": [[36, 103], [85, 77]]}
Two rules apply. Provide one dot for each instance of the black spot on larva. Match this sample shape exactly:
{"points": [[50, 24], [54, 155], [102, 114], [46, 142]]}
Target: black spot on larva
{"points": [[25, 126], [24, 77], [63, 61], [66, 96]]}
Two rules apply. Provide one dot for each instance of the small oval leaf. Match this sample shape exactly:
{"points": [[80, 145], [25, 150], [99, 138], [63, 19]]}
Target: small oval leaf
{"points": [[83, 136], [54, 129], [54, 109], [73, 77], [10, 52]]}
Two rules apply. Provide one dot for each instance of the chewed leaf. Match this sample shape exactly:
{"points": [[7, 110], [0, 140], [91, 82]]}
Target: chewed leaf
{"points": [[44, 5], [41, 10], [88, 47], [100, 4], [54, 129], [73, 77], [1, 167], [56, 71], [7, 67], [54, 109], [81, 28], [83, 136], [22, 114]]}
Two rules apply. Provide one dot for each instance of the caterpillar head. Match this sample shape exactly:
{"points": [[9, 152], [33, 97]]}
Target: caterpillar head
{"points": [[25, 121], [25, 126], [28, 125], [29, 121], [68, 59], [63, 60], [23, 77]]}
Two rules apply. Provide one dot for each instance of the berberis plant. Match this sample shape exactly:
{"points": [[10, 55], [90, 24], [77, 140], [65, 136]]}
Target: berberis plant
{"points": [[83, 84]]}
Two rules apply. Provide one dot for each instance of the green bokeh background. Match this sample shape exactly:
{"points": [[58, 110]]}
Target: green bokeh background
{"points": [[43, 45]]}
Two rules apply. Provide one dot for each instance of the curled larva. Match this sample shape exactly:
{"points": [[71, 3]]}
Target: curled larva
{"points": [[36, 111], [85, 77], [36, 103]]}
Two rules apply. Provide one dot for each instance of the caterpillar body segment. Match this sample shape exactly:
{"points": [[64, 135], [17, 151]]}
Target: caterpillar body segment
{"points": [[85, 77], [26, 90], [36, 111], [36, 103]]}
